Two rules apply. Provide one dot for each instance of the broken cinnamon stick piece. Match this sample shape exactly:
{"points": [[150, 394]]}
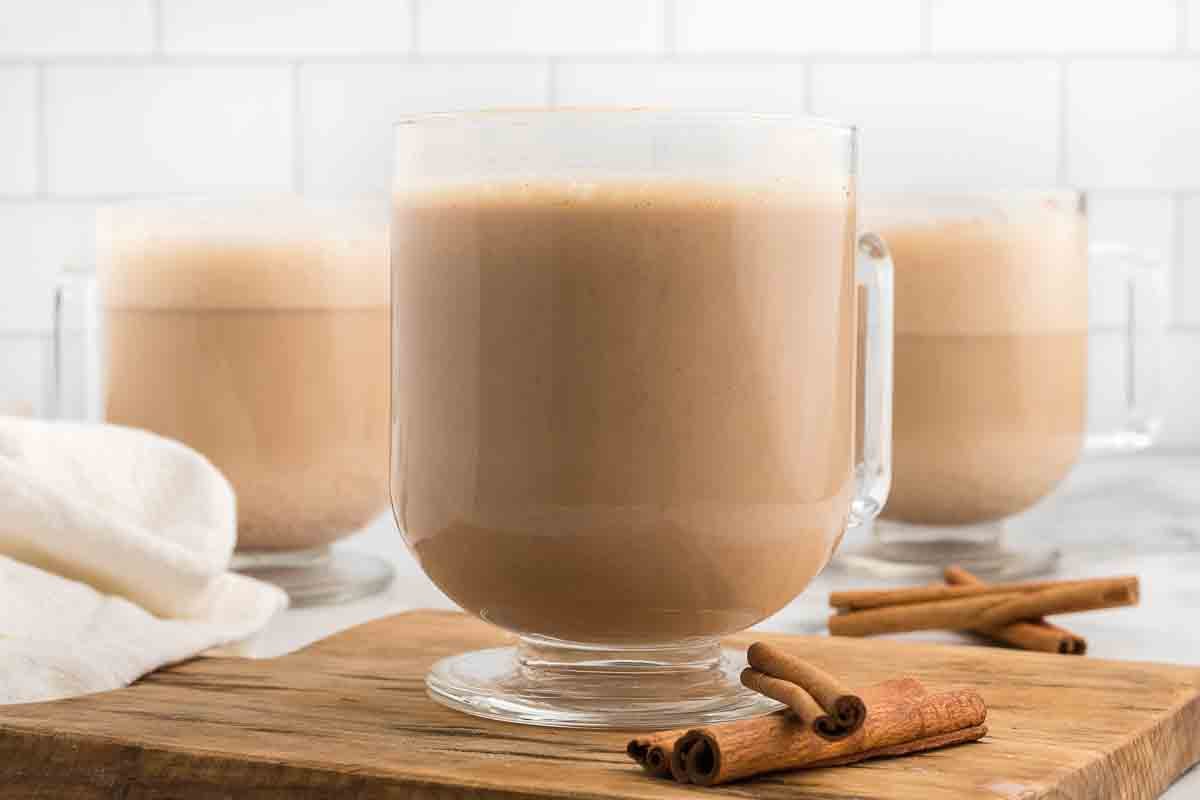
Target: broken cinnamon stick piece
{"points": [[845, 710], [791, 695], [863, 599], [653, 752], [1036, 634], [732, 751], [987, 611]]}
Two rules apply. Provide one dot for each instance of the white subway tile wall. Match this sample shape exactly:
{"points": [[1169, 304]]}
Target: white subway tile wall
{"points": [[50, 28], [1134, 124], [1181, 388], [948, 125], [126, 98], [121, 130], [38, 240], [539, 26], [1065, 26], [348, 111], [18, 131], [301, 27], [798, 26], [1186, 294], [684, 85]]}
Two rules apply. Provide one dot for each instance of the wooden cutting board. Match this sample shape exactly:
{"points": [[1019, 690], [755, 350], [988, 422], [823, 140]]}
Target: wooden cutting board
{"points": [[348, 717]]}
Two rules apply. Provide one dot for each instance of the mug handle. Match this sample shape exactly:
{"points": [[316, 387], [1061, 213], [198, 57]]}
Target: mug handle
{"points": [[76, 378], [1142, 281], [874, 290]]}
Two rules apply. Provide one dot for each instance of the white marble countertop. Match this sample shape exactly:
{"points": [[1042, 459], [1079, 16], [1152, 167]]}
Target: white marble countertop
{"points": [[1130, 515]]}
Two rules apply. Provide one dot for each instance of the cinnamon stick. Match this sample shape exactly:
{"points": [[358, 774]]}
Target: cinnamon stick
{"points": [[662, 754], [986, 611], [863, 599], [1036, 634], [794, 697], [722, 753], [653, 752], [844, 711]]}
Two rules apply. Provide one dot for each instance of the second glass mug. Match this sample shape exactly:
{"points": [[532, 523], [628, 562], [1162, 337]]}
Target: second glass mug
{"points": [[253, 330], [625, 413]]}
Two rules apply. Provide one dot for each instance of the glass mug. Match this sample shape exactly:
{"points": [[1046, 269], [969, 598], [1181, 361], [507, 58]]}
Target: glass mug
{"points": [[624, 397], [254, 330], [992, 400]]}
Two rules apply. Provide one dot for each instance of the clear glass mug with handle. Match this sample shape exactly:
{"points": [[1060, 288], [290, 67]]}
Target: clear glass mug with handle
{"points": [[1000, 386], [624, 398]]}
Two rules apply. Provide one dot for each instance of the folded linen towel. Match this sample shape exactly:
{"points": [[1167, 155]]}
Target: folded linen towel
{"points": [[114, 559]]}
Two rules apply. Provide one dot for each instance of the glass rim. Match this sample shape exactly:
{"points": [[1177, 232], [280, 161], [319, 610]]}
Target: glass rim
{"points": [[523, 116], [987, 192], [954, 201]]}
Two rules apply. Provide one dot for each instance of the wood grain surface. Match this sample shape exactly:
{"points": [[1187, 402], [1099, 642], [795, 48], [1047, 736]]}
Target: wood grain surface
{"points": [[348, 718]]}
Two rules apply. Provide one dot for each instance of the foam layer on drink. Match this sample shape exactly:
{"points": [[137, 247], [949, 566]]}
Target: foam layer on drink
{"points": [[1012, 264], [623, 411], [280, 254]]}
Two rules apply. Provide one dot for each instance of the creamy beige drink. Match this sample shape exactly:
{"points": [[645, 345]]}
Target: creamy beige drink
{"points": [[623, 411], [264, 346], [991, 358]]}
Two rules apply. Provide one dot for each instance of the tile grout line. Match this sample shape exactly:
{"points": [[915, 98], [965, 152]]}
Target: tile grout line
{"points": [[297, 130], [384, 58], [669, 45], [158, 47], [926, 26], [1181, 25], [414, 25], [41, 131]]}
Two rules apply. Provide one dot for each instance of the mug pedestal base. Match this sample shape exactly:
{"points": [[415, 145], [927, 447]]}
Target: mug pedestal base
{"points": [[318, 577], [901, 551], [544, 682]]}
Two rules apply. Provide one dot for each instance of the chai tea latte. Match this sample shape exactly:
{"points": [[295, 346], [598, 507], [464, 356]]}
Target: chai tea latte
{"points": [[623, 411], [265, 350], [991, 360]]}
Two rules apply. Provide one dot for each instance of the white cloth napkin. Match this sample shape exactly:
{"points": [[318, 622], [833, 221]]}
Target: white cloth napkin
{"points": [[114, 559]]}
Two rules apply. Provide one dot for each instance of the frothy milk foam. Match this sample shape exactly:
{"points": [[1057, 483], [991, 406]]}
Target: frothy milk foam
{"points": [[262, 342], [623, 410], [991, 358]]}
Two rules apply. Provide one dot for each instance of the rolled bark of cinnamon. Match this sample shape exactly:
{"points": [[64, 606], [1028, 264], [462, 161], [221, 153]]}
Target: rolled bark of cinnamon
{"points": [[732, 751], [988, 610], [794, 697], [653, 752], [1036, 634], [844, 711], [860, 600], [662, 754]]}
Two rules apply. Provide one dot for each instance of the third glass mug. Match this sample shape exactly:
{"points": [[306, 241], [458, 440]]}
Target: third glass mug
{"points": [[992, 399], [624, 397]]}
